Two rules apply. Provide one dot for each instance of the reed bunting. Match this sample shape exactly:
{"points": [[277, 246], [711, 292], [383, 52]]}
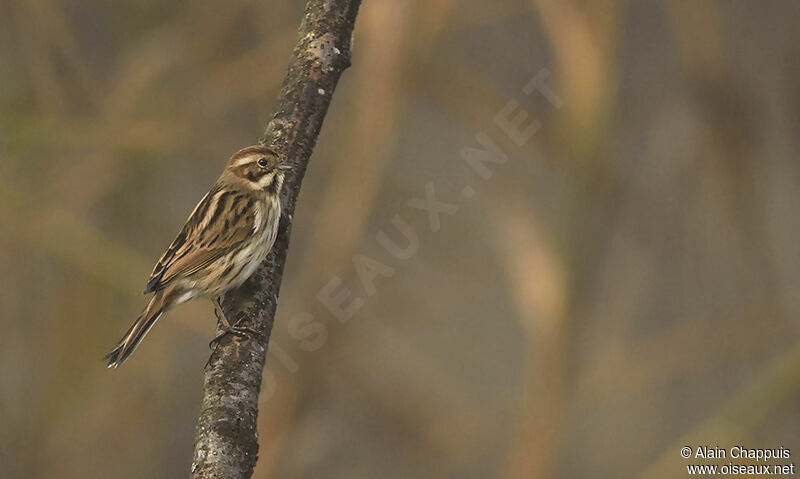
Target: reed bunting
{"points": [[226, 237]]}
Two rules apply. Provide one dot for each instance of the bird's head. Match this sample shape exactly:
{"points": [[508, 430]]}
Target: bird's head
{"points": [[257, 168]]}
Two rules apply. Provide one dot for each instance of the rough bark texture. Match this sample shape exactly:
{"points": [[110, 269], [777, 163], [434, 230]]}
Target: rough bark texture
{"points": [[226, 444]]}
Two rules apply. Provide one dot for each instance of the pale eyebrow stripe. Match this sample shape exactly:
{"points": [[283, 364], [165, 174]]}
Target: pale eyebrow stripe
{"points": [[241, 161]]}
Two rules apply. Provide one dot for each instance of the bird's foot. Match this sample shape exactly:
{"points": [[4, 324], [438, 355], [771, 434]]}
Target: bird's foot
{"points": [[236, 330], [227, 328]]}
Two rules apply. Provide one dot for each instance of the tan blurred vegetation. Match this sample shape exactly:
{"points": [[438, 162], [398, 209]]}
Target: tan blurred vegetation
{"points": [[627, 283]]}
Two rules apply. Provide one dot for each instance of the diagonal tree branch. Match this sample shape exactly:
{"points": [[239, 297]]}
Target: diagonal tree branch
{"points": [[226, 445]]}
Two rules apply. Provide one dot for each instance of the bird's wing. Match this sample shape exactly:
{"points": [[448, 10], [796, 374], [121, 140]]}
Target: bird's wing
{"points": [[219, 224]]}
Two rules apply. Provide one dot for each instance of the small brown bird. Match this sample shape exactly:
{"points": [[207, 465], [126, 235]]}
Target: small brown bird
{"points": [[226, 237]]}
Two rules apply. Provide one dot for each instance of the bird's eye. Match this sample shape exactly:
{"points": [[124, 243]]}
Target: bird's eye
{"points": [[262, 162]]}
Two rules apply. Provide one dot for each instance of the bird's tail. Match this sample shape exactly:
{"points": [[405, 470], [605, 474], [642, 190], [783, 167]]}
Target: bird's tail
{"points": [[138, 330]]}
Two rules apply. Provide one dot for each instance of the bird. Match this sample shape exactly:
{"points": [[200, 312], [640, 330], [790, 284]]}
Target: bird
{"points": [[227, 235]]}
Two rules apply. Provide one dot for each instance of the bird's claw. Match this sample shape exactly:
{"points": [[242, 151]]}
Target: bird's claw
{"points": [[241, 331]]}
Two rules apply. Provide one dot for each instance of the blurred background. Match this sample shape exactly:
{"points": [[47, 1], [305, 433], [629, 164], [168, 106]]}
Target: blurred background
{"points": [[627, 283]]}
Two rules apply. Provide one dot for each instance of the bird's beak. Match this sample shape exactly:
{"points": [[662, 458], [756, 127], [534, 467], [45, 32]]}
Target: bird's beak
{"points": [[284, 167]]}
